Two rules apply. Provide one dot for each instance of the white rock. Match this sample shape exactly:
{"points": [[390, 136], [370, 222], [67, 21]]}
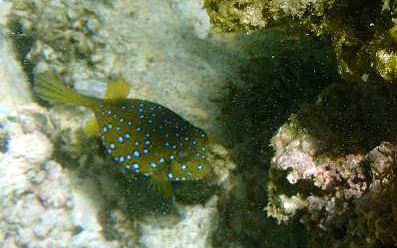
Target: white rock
{"points": [[191, 232]]}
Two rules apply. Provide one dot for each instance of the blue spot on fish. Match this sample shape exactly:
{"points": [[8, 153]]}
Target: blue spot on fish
{"points": [[135, 166]]}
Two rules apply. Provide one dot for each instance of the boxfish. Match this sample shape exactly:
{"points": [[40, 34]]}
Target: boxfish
{"points": [[140, 136]]}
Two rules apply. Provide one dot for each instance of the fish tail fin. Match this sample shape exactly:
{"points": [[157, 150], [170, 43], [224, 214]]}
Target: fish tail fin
{"points": [[50, 87]]}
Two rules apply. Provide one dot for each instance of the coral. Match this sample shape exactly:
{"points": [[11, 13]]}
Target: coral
{"points": [[363, 32], [320, 183], [320, 170], [236, 15], [386, 64], [320, 173], [376, 210], [348, 199], [248, 15], [371, 221], [39, 204]]}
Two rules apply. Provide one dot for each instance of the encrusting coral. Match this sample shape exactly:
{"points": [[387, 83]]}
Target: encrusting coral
{"points": [[349, 199]]}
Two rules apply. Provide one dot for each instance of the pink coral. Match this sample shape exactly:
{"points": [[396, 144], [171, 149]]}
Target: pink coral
{"points": [[339, 178], [354, 191]]}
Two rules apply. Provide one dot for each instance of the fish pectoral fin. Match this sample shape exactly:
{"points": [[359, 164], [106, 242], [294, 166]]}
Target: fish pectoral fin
{"points": [[91, 127], [160, 183], [117, 89]]}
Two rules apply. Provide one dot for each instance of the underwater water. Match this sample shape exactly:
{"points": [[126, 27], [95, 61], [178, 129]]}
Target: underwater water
{"points": [[169, 123]]}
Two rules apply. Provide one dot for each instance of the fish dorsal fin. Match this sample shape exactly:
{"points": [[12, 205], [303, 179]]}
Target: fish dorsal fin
{"points": [[117, 89]]}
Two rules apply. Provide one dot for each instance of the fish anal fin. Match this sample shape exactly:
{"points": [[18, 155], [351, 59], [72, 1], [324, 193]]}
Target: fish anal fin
{"points": [[91, 127], [117, 89]]}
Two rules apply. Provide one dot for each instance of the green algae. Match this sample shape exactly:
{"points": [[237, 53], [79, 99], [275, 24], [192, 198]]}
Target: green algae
{"points": [[351, 109], [352, 117], [281, 70]]}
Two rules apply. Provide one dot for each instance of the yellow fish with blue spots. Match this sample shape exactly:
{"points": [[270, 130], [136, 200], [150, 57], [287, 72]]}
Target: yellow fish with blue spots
{"points": [[142, 136]]}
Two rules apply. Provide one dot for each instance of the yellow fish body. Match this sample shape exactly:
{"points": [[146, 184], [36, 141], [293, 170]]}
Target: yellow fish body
{"points": [[142, 136]]}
